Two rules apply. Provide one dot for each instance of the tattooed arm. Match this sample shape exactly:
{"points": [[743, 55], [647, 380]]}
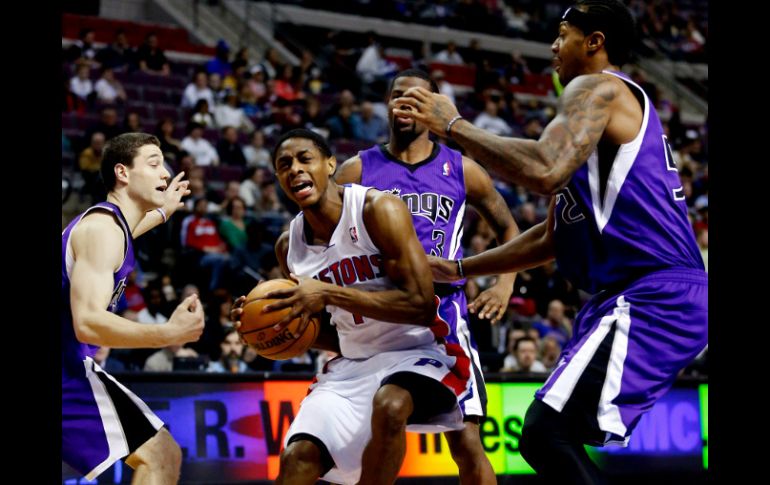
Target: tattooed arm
{"points": [[545, 165]]}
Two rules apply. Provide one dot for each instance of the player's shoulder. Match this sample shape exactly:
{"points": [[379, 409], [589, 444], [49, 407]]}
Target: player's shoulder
{"points": [[349, 171], [377, 202], [100, 224], [282, 243], [602, 84]]}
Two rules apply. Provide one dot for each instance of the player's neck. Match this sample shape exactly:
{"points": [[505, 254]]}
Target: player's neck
{"points": [[322, 219], [131, 212], [413, 151]]}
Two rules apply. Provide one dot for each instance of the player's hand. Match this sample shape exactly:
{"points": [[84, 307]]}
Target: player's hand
{"points": [[431, 109], [304, 300], [187, 321], [493, 302], [237, 310], [173, 194], [235, 316], [444, 270]]}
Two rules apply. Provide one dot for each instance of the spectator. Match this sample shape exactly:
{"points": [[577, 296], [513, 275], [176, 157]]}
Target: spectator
{"points": [[119, 55], [196, 90], [256, 154], [151, 58], [108, 89], [202, 151], [230, 114], [449, 55], [489, 120], [229, 150], [230, 355]]}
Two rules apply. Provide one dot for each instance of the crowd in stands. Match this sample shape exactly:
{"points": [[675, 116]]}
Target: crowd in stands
{"points": [[217, 121]]}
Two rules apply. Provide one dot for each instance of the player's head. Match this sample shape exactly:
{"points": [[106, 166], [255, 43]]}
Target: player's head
{"points": [[592, 28], [406, 129], [303, 163], [134, 162]]}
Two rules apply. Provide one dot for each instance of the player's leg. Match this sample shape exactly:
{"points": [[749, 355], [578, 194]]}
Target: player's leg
{"points": [[465, 445], [468, 453], [331, 429], [157, 461], [552, 438], [556, 455], [404, 398], [304, 460], [383, 455], [103, 421]]}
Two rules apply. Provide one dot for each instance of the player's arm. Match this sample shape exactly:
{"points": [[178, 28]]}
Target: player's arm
{"points": [[483, 196], [544, 165], [97, 245], [389, 224], [349, 172], [173, 201], [528, 250]]}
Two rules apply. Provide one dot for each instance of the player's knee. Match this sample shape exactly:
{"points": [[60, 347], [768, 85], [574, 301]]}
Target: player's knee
{"points": [[161, 452], [465, 447], [301, 456], [392, 407], [534, 441]]}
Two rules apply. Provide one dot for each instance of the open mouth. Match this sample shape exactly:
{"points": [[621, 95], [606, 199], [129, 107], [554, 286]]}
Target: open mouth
{"points": [[161, 188], [302, 188]]}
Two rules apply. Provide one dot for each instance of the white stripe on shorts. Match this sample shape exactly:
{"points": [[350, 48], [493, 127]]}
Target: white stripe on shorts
{"points": [[608, 414]]}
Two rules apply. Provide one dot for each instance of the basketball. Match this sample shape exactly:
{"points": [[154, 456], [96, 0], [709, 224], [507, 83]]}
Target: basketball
{"points": [[257, 327]]}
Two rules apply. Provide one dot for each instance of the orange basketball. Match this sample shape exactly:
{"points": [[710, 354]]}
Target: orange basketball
{"points": [[257, 327]]}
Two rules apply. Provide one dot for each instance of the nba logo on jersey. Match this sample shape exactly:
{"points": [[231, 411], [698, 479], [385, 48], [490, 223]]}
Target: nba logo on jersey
{"points": [[446, 169], [353, 234]]}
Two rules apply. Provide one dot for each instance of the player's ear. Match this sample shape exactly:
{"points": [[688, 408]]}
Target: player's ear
{"points": [[595, 41], [121, 173], [332, 164]]}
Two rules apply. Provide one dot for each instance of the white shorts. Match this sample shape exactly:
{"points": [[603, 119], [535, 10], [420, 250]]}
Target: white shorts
{"points": [[338, 409]]}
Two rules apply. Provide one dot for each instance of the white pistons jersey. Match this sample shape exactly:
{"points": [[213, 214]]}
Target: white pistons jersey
{"points": [[352, 260]]}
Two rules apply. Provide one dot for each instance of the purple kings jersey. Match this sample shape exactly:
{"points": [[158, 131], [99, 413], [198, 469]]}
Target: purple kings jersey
{"points": [[73, 351], [623, 213], [433, 190]]}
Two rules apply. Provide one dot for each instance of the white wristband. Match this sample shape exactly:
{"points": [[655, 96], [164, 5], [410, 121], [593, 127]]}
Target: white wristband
{"points": [[162, 213]]}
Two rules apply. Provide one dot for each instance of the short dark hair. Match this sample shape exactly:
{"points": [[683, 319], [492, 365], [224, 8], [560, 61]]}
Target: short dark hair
{"points": [[122, 149], [609, 17], [414, 73], [317, 140], [523, 339]]}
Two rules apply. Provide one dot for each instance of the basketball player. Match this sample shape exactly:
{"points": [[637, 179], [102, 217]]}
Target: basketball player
{"points": [[617, 227], [355, 253], [435, 181], [102, 421]]}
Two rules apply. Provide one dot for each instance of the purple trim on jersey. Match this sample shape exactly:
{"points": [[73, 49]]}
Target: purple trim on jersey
{"points": [[644, 229], [73, 351]]}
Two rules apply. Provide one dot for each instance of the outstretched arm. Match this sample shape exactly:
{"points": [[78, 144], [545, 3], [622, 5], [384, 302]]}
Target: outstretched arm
{"points": [[95, 244], [482, 195], [173, 195], [528, 250], [545, 165]]}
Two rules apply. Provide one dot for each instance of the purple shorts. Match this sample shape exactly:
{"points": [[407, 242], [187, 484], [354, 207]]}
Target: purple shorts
{"points": [[626, 350]]}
